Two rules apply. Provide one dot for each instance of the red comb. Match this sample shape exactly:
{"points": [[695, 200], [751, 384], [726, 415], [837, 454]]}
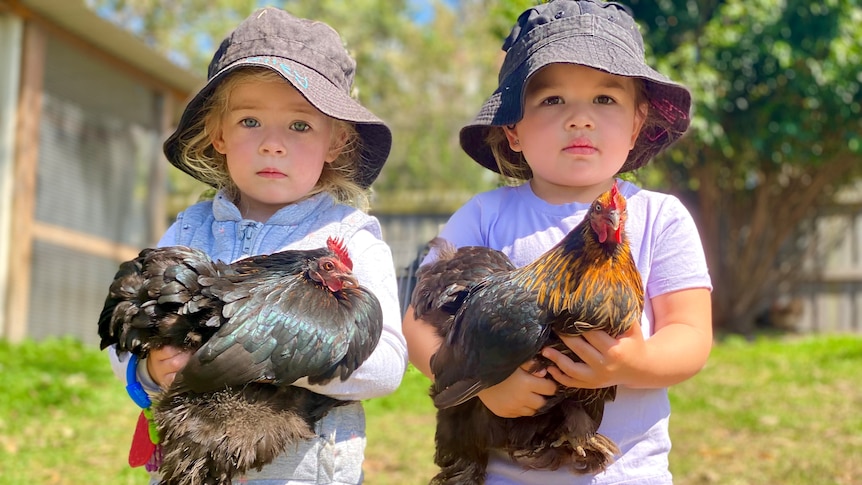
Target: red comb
{"points": [[337, 246], [614, 192]]}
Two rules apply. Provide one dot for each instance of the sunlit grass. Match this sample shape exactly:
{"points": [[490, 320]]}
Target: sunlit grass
{"points": [[772, 411], [785, 411], [64, 417]]}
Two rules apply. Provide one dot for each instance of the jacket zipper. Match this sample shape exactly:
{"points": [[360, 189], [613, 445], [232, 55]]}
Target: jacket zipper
{"points": [[248, 233]]}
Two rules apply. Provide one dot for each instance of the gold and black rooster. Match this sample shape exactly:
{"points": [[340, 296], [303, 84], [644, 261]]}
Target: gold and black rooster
{"points": [[255, 326], [493, 317]]}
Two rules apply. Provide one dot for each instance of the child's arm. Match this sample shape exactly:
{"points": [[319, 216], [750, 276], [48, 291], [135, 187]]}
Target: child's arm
{"points": [[422, 342], [521, 394], [677, 350]]}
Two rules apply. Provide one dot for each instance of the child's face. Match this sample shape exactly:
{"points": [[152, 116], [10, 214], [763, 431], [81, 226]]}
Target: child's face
{"points": [[275, 144], [578, 127]]}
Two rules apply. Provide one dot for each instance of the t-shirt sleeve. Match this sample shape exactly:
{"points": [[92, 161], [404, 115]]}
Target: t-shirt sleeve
{"points": [[464, 228], [678, 261]]}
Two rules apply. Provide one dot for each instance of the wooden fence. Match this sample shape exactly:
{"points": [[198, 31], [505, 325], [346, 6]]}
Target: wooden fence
{"points": [[407, 235]]}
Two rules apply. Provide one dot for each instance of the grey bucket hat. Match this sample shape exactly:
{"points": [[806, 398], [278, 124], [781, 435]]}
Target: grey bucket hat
{"points": [[311, 57], [586, 32]]}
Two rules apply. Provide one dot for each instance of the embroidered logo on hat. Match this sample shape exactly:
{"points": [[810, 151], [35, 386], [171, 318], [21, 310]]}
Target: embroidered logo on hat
{"points": [[287, 70]]}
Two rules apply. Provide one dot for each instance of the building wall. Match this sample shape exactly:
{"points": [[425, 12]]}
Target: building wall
{"points": [[99, 141], [10, 58], [84, 108]]}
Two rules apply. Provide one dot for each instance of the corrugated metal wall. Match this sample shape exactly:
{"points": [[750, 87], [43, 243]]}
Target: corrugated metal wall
{"points": [[68, 291], [90, 177], [407, 234], [98, 135]]}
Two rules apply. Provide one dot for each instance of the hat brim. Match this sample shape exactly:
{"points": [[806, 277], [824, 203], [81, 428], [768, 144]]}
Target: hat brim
{"points": [[319, 91], [505, 105]]}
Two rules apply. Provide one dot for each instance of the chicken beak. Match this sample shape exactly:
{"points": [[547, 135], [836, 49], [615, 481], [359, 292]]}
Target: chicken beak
{"points": [[349, 281], [337, 283], [613, 218], [614, 223]]}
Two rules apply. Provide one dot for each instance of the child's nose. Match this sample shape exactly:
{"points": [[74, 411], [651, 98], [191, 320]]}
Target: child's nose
{"points": [[272, 145], [581, 117]]}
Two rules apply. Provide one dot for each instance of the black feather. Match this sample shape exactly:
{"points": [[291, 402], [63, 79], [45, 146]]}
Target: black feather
{"points": [[254, 326], [493, 318]]}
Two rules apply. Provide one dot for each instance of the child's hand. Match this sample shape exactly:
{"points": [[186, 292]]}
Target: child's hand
{"points": [[521, 394], [164, 363], [606, 361]]}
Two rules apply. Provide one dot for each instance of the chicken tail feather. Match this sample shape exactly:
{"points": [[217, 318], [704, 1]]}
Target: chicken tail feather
{"points": [[460, 472], [577, 446], [462, 461], [213, 438]]}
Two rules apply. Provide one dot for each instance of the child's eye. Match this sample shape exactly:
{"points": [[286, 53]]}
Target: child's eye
{"points": [[249, 122], [602, 99], [553, 100], [300, 126]]}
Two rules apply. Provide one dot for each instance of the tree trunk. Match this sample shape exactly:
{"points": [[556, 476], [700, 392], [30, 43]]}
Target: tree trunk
{"points": [[749, 234]]}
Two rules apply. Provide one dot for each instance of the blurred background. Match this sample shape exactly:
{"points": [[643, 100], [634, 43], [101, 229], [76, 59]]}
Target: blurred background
{"points": [[771, 167]]}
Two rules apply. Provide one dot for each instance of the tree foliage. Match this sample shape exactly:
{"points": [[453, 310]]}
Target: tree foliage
{"points": [[776, 131]]}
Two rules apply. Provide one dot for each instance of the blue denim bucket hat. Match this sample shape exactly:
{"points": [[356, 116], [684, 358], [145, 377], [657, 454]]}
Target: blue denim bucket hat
{"points": [[308, 54], [591, 33]]}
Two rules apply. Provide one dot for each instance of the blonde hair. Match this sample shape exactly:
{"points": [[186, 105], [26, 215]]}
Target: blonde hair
{"points": [[338, 178], [514, 168]]}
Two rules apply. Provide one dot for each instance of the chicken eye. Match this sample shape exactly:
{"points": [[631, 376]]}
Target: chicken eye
{"points": [[597, 208], [328, 266]]}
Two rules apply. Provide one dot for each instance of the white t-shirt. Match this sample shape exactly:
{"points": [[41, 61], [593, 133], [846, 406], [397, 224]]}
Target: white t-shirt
{"points": [[667, 249]]}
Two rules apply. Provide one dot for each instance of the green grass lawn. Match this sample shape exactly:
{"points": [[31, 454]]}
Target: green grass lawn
{"points": [[773, 411]]}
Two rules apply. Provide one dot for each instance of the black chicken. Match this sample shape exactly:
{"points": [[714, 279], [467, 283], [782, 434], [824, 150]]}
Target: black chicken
{"points": [[493, 317], [255, 326]]}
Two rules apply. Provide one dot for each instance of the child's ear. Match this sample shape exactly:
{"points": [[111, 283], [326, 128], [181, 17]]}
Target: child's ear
{"points": [[511, 132], [217, 141], [339, 140], [641, 114]]}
